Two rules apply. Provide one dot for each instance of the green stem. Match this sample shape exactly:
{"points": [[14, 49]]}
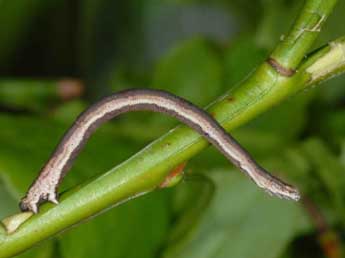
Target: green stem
{"points": [[147, 169], [301, 37], [326, 63]]}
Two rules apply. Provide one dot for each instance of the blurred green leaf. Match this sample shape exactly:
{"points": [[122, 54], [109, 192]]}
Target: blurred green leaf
{"points": [[28, 94], [45, 250], [241, 58], [191, 70], [331, 124], [291, 115], [135, 229], [240, 214], [330, 171], [68, 112], [8, 204], [191, 198]]}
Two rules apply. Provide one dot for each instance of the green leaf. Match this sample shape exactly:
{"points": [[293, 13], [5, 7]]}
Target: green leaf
{"points": [[191, 199], [191, 70], [68, 112], [328, 168], [28, 94], [241, 58], [291, 115], [241, 221], [331, 124], [135, 229], [45, 250], [8, 204]]}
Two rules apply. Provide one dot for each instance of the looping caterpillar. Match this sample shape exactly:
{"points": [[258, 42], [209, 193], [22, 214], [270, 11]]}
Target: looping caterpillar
{"points": [[45, 186]]}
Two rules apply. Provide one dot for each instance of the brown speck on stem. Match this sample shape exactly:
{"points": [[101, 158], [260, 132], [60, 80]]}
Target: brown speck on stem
{"points": [[287, 72]]}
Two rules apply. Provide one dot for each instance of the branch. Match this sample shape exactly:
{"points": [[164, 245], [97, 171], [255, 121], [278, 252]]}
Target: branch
{"points": [[326, 63], [301, 37], [146, 170]]}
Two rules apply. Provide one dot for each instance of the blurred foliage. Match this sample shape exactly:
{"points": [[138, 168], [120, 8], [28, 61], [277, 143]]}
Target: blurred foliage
{"points": [[215, 212], [231, 222]]}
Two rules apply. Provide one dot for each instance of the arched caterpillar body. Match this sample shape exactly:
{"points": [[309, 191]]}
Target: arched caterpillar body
{"points": [[45, 186]]}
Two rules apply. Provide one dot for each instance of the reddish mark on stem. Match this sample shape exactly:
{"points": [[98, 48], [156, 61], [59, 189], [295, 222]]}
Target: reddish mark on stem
{"points": [[175, 172]]}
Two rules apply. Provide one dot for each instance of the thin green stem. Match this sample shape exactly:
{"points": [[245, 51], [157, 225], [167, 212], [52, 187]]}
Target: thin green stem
{"points": [[145, 171], [326, 63]]}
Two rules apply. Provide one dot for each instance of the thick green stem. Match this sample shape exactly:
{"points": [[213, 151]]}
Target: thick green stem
{"points": [[147, 169]]}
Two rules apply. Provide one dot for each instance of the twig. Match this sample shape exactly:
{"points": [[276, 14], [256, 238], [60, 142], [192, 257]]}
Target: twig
{"points": [[328, 239]]}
